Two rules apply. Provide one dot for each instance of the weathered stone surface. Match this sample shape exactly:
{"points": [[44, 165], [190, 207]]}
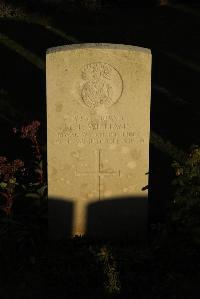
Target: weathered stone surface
{"points": [[98, 120]]}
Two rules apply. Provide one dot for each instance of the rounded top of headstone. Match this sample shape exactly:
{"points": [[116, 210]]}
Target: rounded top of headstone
{"points": [[98, 46]]}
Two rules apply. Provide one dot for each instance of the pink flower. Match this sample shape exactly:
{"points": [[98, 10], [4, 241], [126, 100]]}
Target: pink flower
{"points": [[2, 160], [14, 130], [29, 131], [7, 170]]}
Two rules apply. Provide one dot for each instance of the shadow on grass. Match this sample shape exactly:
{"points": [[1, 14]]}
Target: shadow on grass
{"points": [[32, 36], [24, 83]]}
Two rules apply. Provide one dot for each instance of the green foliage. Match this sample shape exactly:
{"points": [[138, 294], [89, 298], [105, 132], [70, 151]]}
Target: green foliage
{"points": [[7, 9], [185, 206], [112, 282]]}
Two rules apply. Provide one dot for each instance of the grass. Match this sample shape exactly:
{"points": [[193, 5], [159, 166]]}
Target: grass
{"points": [[43, 22], [84, 268], [188, 63], [166, 147], [28, 55]]}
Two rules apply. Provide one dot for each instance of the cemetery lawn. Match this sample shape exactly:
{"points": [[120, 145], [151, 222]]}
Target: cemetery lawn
{"points": [[82, 268], [169, 267]]}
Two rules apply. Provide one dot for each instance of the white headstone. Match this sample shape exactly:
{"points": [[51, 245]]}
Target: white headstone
{"points": [[98, 127]]}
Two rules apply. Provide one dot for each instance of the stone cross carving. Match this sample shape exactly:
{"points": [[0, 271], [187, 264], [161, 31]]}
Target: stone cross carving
{"points": [[99, 171]]}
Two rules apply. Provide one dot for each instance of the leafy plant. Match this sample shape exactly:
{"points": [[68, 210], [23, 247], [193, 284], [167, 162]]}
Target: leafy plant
{"points": [[12, 173], [8, 182], [23, 198], [112, 282], [185, 206]]}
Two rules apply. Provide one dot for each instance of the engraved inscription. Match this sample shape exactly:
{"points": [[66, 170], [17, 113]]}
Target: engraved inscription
{"points": [[103, 85], [115, 129]]}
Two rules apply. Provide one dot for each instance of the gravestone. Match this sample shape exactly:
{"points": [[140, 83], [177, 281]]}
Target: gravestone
{"points": [[98, 126]]}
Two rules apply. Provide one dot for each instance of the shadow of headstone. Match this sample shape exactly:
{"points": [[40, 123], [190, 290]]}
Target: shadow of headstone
{"points": [[60, 213], [118, 218]]}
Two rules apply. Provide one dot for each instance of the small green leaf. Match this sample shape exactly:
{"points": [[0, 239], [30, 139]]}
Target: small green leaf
{"points": [[12, 181], [32, 195], [42, 189], [34, 184], [3, 185]]}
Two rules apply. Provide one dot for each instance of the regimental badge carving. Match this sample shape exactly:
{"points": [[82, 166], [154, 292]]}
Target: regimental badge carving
{"points": [[103, 85]]}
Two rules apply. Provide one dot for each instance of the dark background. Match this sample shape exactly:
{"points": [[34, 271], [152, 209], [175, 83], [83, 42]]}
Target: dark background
{"points": [[171, 30]]}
